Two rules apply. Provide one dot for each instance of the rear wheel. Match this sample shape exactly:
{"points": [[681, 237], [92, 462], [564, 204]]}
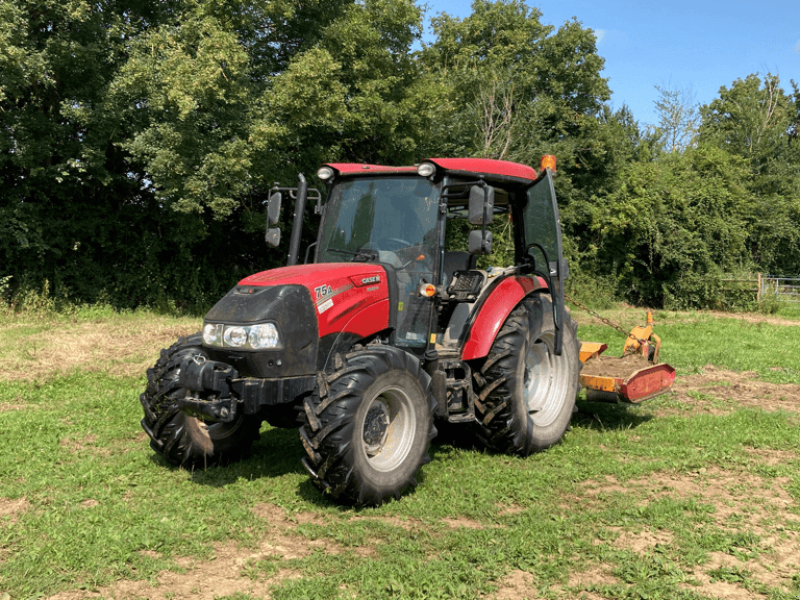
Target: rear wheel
{"points": [[368, 429], [527, 401], [181, 439]]}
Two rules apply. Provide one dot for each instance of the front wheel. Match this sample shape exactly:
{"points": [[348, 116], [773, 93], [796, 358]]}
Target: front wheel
{"points": [[368, 430], [183, 440], [529, 394]]}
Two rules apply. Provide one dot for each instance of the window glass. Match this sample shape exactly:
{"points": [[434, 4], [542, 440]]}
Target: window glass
{"points": [[540, 223]]}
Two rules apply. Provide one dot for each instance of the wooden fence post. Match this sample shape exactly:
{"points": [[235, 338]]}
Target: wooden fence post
{"points": [[758, 292]]}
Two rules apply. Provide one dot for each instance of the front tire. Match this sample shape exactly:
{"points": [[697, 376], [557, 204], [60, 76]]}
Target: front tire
{"points": [[529, 394], [183, 440], [368, 429]]}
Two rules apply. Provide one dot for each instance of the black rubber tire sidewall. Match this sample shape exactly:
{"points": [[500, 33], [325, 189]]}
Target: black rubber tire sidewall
{"points": [[178, 437], [542, 437], [336, 461], [504, 424], [387, 483]]}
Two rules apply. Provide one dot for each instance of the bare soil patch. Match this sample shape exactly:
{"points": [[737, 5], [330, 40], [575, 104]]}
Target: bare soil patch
{"points": [[510, 510], [127, 349], [599, 575], [233, 570], [205, 580], [643, 541], [741, 502], [277, 517], [13, 508], [719, 391], [614, 366], [6, 407], [753, 318], [462, 522], [517, 585]]}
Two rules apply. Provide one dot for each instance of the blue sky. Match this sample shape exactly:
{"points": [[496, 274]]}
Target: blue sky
{"points": [[696, 46]]}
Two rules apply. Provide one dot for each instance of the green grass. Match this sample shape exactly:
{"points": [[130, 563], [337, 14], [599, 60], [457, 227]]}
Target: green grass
{"points": [[638, 502]]}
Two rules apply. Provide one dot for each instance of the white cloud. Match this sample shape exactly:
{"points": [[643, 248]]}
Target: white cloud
{"points": [[797, 47], [601, 35]]}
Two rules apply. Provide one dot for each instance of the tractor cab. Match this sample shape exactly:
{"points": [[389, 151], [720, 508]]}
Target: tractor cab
{"points": [[427, 226]]}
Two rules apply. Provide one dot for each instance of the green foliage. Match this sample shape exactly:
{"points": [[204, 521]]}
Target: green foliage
{"points": [[139, 139]]}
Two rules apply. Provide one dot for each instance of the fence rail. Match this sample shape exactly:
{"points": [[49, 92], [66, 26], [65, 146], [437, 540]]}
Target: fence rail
{"points": [[783, 289]]}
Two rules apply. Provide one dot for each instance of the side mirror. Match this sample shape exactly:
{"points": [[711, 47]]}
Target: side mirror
{"points": [[274, 208], [480, 242], [273, 236], [481, 205]]}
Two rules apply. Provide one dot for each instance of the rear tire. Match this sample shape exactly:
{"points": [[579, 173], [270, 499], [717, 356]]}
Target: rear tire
{"points": [[528, 399], [368, 429], [180, 439]]}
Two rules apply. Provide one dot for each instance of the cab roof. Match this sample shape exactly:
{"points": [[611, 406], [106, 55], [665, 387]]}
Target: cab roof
{"points": [[473, 167]]}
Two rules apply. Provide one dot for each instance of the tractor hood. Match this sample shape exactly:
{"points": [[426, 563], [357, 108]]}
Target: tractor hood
{"points": [[338, 291], [317, 309]]}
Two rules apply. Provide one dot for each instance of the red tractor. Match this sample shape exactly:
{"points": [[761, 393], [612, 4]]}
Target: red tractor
{"points": [[386, 328]]}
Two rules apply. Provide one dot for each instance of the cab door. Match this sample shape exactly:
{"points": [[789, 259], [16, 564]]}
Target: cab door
{"points": [[542, 242]]}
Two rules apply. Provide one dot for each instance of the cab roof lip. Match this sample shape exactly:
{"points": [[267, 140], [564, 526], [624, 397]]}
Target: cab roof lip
{"points": [[486, 167]]}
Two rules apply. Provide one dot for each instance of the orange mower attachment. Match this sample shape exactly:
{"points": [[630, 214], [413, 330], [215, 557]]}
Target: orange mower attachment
{"points": [[633, 377]]}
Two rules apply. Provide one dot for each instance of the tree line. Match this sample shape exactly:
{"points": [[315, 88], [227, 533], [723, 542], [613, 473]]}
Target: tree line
{"points": [[139, 139]]}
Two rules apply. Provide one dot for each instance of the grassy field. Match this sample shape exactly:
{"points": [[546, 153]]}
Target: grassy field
{"points": [[692, 495]]}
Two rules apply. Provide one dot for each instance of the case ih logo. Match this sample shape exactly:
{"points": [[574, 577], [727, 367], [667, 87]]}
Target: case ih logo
{"points": [[323, 291], [373, 279]]}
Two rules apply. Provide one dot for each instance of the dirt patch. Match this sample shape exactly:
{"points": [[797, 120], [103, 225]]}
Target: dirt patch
{"points": [[278, 517], [13, 508], [232, 571], [772, 457], [407, 524], [6, 407], [774, 569], [291, 546], [517, 585], [753, 318], [731, 493], [123, 350], [718, 391], [462, 522], [599, 575], [614, 366], [510, 510], [643, 541], [207, 580], [741, 502]]}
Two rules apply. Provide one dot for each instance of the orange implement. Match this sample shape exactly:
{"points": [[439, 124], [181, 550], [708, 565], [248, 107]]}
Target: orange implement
{"points": [[634, 376]]}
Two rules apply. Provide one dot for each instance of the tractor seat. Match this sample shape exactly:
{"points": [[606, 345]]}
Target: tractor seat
{"points": [[457, 261]]}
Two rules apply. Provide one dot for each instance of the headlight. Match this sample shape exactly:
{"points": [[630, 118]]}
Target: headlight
{"points": [[325, 173], [235, 336], [212, 334], [263, 336], [426, 169]]}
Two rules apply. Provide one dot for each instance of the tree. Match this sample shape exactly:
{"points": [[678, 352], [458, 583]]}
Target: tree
{"points": [[678, 118]]}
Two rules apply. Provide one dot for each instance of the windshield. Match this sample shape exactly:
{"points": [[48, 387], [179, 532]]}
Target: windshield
{"points": [[391, 220], [387, 214]]}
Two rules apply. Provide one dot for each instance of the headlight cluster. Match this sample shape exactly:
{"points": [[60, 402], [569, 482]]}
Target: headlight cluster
{"points": [[256, 337]]}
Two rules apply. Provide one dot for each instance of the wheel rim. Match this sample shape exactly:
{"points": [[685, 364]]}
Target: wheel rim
{"points": [[546, 381], [389, 427]]}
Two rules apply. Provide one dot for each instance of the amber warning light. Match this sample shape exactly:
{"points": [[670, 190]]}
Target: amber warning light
{"points": [[548, 162]]}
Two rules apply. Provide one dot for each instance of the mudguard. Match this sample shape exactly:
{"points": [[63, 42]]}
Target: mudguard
{"points": [[494, 310]]}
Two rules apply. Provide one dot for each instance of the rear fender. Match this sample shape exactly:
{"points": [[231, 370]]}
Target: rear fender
{"points": [[494, 310]]}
